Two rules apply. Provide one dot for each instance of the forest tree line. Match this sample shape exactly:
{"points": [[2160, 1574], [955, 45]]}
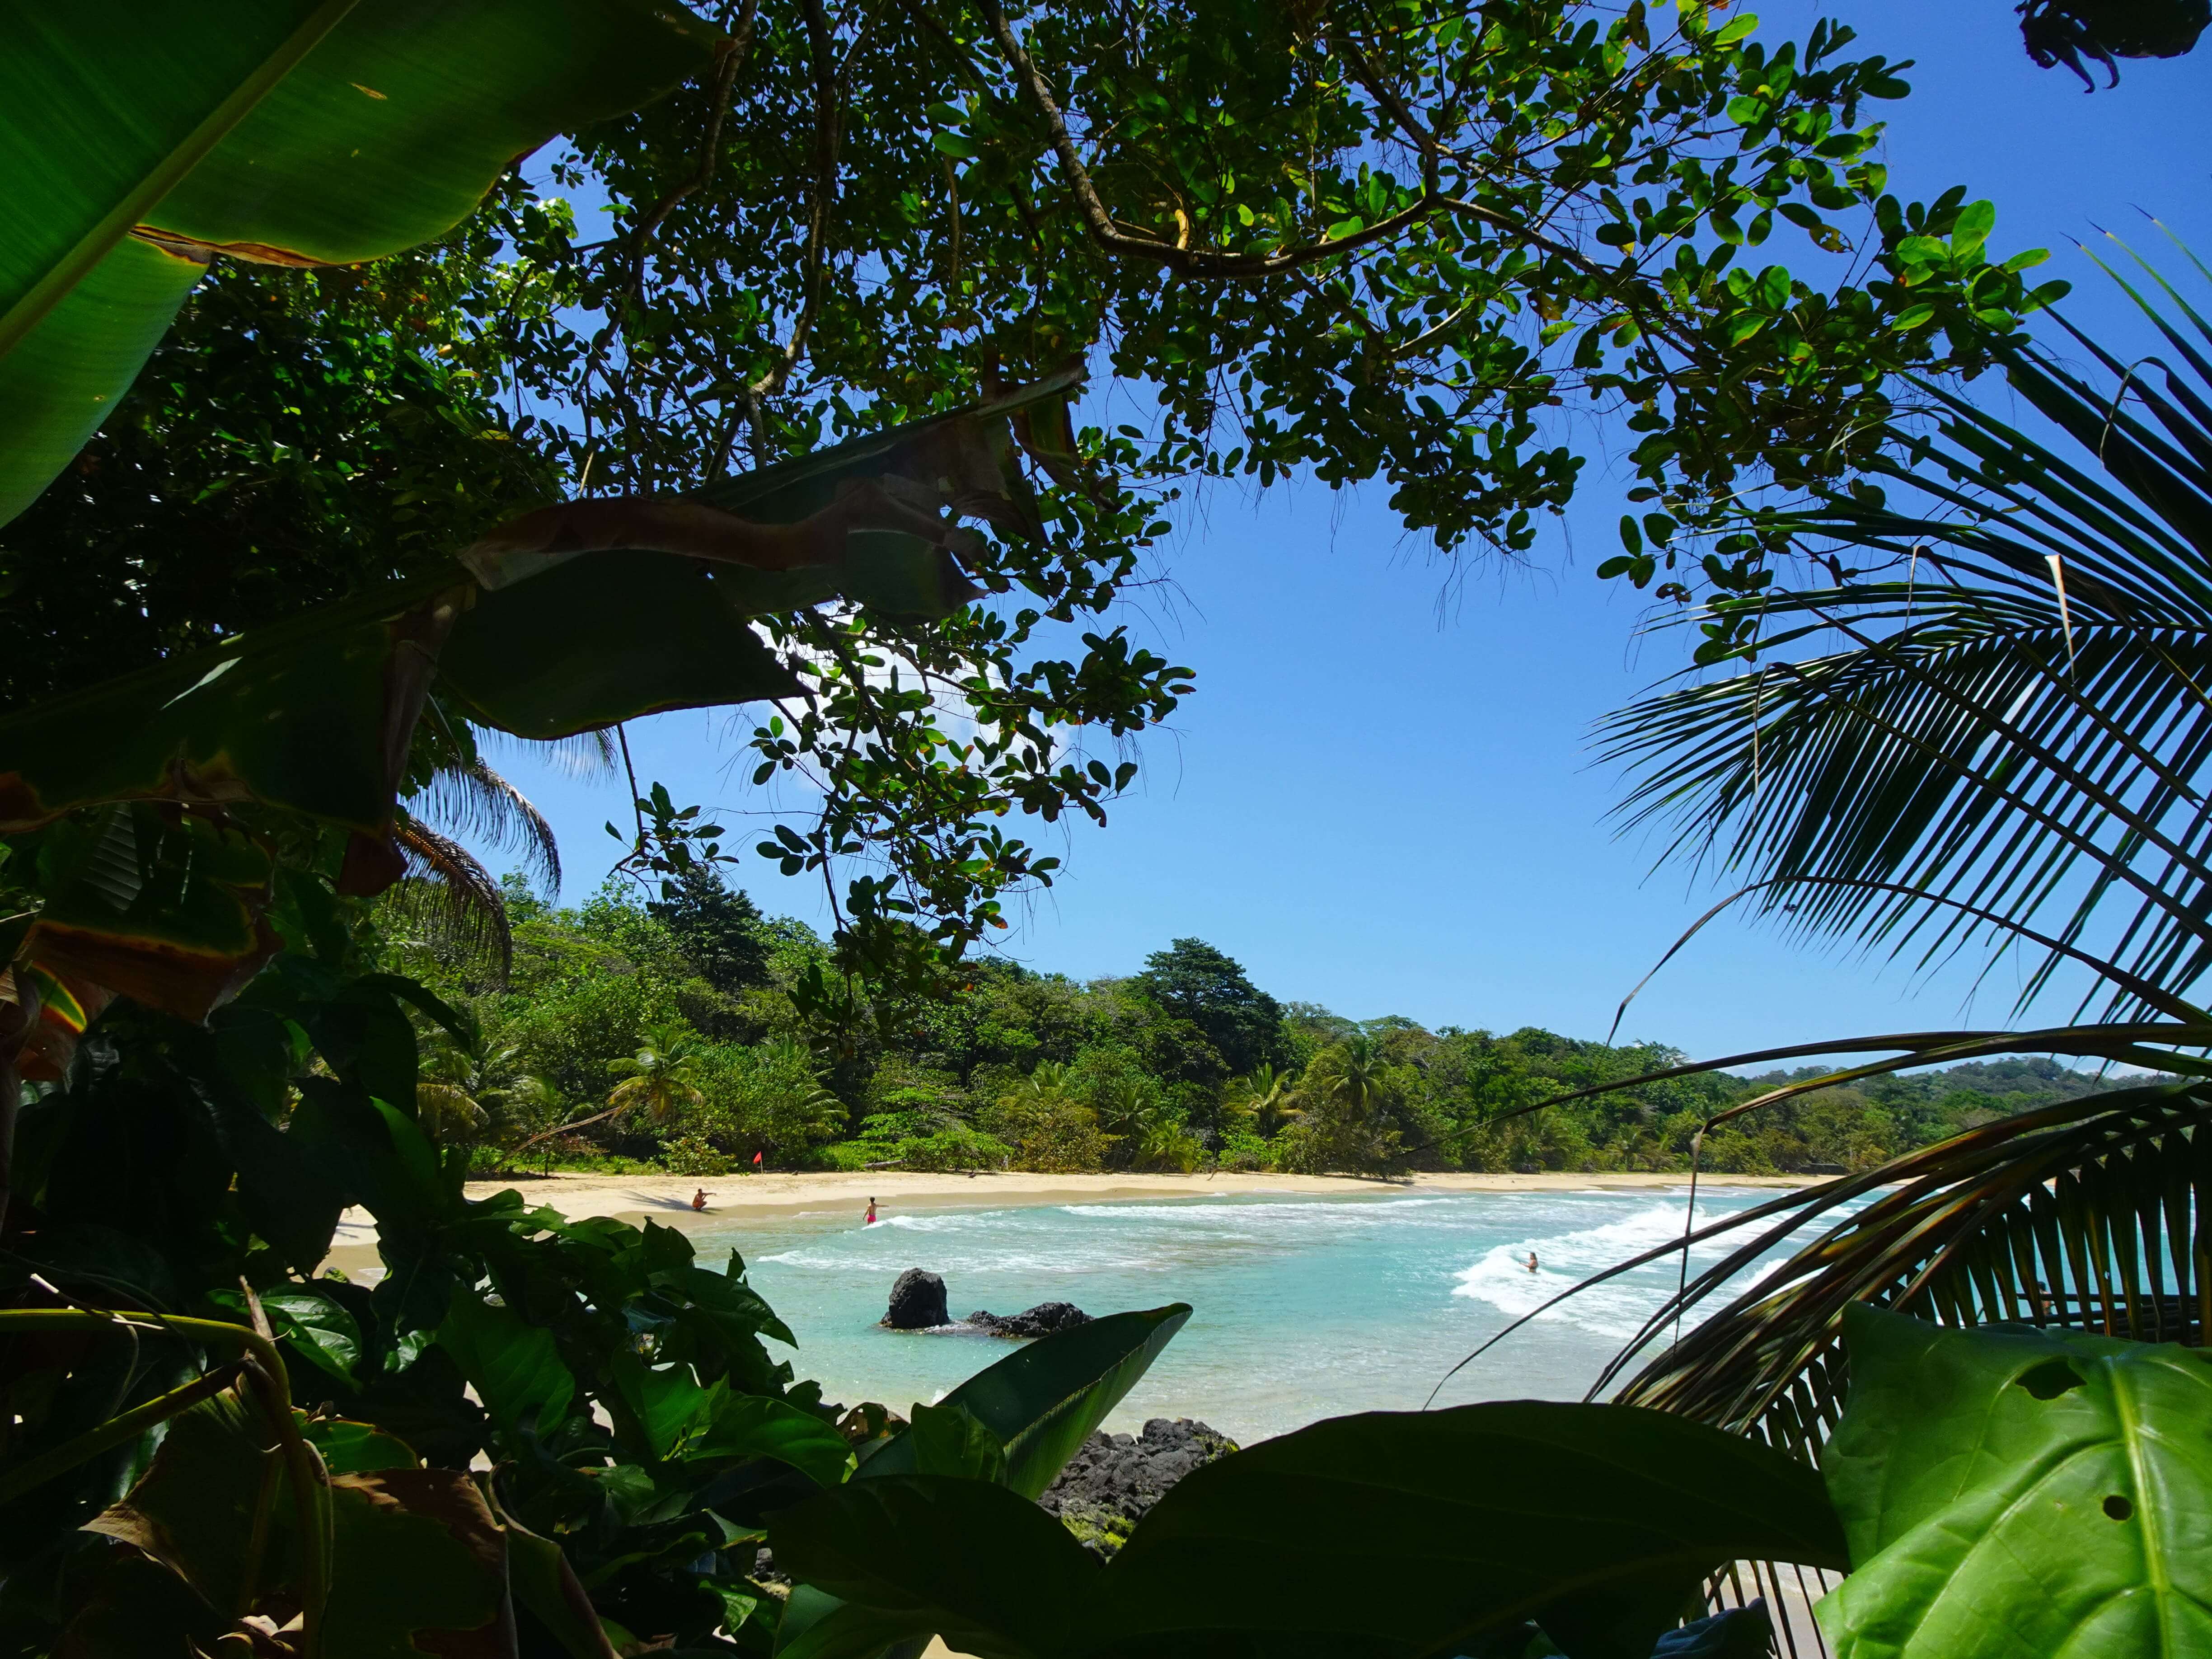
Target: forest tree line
{"points": [[692, 1033]]}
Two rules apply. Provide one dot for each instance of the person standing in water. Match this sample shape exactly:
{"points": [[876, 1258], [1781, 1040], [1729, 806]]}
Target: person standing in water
{"points": [[871, 1221], [1532, 1261], [699, 1199]]}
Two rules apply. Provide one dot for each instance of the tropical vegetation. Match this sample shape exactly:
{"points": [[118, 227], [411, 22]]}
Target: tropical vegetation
{"points": [[1183, 1065], [426, 468]]}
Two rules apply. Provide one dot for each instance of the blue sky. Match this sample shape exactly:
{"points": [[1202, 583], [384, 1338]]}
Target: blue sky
{"points": [[1384, 800]]}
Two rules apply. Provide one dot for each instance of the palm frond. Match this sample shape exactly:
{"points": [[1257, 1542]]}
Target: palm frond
{"points": [[451, 896], [465, 797], [587, 754], [1944, 749], [2092, 1213]]}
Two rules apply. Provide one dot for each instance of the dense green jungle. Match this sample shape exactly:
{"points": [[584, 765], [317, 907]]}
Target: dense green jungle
{"points": [[384, 387], [669, 1030]]}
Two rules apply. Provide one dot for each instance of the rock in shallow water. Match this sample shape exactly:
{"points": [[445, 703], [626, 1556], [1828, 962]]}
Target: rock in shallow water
{"points": [[1041, 1321], [1113, 1478], [917, 1301]]}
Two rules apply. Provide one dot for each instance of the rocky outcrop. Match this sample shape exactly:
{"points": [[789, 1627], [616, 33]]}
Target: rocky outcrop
{"points": [[1041, 1321], [1113, 1478], [917, 1301]]}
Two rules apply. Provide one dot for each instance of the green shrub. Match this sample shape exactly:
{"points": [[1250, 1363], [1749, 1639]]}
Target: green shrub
{"points": [[693, 1155], [1240, 1149], [1062, 1139], [956, 1148]]}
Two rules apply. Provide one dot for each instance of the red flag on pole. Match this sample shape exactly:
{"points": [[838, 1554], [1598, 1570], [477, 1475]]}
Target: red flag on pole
{"points": [[756, 1160]]}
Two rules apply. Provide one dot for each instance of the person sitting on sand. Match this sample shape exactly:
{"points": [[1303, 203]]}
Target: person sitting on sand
{"points": [[1532, 1261], [871, 1221], [699, 1199]]}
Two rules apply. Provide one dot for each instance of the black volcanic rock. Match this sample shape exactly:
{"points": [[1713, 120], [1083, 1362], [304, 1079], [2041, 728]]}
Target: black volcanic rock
{"points": [[1041, 1321], [1113, 1478], [917, 1301]]}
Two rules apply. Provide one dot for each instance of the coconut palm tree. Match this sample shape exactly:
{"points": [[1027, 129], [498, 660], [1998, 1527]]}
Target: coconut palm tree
{"points": [[1344, 1102], [469, 1088], [798, 1110], [1124, 1107], [1989, 726], [1266, 1098], [661, 1078], [1044, 1088]]}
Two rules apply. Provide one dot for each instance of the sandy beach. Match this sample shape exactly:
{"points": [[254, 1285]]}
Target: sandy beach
{"points": [[740, 1199]]}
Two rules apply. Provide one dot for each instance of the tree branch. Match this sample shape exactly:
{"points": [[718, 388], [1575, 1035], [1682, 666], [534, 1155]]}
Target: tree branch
{"points": [[1220, 264], [827, 134], [1382, 92], [727, 62]]}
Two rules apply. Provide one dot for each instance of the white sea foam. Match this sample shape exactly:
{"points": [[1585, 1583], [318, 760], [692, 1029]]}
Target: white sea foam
{"points": [[956, 1222], [1615, 1309], [1289, 1210], [1618, 1307]]}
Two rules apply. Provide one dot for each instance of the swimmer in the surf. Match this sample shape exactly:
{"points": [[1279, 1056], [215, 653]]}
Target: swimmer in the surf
{"points": [[1532, 1261], [871, 1221]]}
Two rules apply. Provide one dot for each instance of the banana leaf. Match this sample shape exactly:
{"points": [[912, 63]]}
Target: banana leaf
{"points": [[571, 619], [141, 139]]}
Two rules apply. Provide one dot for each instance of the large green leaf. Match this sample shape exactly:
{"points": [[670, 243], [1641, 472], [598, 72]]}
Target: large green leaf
{"points": [[610, 637], [416, 1552], [139, 139], [668, 1403], [1598, 1521], [753, 1425], [139, 1609], [2012, 1492], [923, 1554], [582, 618], [816, 1625], [1045, 1400], [321, 1339], [683, 1420], [169, 912], [351, 1448], [1459, 1522], [953, 1440], [514, 1366], [1037, 1405], [540, 1579], [289, 715], [417, 1555], [193, 1510]]}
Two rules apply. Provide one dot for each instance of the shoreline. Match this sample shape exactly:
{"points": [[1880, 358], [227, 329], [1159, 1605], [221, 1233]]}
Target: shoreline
{"points": [[753, 1200]]}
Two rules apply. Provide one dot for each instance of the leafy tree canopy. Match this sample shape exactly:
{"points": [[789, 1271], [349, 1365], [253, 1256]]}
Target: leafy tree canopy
{"points": [[1378, 241], [719, 929], [1197, 982]]}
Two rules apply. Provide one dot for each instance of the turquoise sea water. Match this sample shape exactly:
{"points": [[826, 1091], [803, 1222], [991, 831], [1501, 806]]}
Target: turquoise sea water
{"points": [[1305, 1308]]}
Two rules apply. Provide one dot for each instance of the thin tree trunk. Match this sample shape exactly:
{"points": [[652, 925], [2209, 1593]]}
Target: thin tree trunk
{"points": [[560, 1129]]}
